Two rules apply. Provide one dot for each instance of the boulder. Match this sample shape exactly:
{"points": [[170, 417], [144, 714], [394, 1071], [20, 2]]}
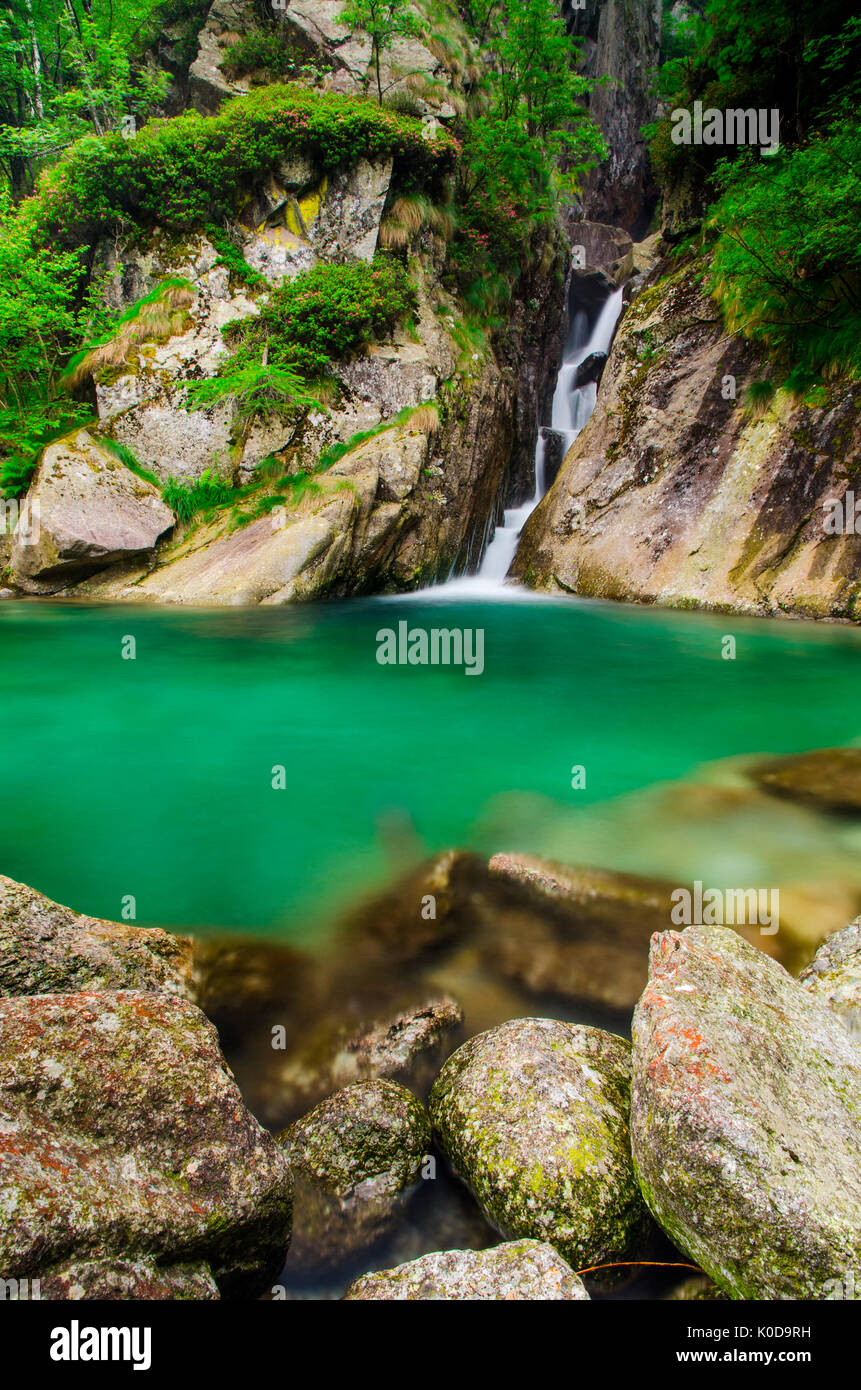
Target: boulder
{"points": [[123, 1137], [590, 369], [828, 778], [520, 1269], [577, 933], [533, 1116], [746, 1118], [355, 1158], [833, 977], [85, 510], [49, 949]]}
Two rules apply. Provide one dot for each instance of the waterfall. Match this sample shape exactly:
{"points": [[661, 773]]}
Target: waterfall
{"points": [[570, 411]]}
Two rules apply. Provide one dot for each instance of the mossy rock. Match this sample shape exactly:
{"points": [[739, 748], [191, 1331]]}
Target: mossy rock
{"points": [[533, 1116]]}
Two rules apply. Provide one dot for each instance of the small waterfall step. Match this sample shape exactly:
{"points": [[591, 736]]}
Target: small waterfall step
{"points": [[572, 407]]}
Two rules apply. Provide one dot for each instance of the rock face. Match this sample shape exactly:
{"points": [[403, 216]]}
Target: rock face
{"points": [[533, 1115], [521, 1269], [226, 22], [674, 494], [355, 1158], [85, 511], [833, 977], [829, 778], [49, 949], [138, 1279], [124, 1140], [622, 41], [578, 933], [746, 1118]]}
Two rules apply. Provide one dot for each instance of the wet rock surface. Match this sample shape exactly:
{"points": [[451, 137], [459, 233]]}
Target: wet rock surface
{"points": [[739, 1075], [355, 1158], [523, 1269], [829, 778], [49, 949], [533, 1116], [123, 1137], [407, 1045], [578, 933]]}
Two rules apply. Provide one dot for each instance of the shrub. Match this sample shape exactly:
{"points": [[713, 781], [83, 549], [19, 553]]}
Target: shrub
{"points": [[323, 316]]}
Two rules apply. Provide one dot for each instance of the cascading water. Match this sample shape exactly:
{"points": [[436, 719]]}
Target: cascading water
{"points": [[572, 407]]}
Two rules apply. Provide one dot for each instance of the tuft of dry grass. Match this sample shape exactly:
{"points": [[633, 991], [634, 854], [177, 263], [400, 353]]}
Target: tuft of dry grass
{"points": [[408, 215], [154, 319], [425, 419]]}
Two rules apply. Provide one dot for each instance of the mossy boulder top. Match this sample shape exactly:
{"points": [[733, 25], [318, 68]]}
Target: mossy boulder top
{"points": [[746, 1119], [534, 1117], [517, 1270]]}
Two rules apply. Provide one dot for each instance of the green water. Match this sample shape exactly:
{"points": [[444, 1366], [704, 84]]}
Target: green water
{"points": [[153, 777]]}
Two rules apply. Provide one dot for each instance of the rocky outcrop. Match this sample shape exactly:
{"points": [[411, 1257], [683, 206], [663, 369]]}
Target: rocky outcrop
{"points": [[533, 1115], [834, 976], [355, 1159], [127, 1153], [622, 42], [676, 493], [746, 1118], [226, 22], [521, 1269], [85, 510], [49, 949]]}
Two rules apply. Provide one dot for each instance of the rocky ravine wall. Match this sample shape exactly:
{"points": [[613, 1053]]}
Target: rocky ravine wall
{"points": [[675, 495]]}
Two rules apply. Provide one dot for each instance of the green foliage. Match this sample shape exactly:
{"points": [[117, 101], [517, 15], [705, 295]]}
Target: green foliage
{"points": [[65, 69], [230, 255], [192, 171], [207, 493], [253, 387], [266, 55], [535, 123], [787, 264], [130, 460], [324, 316]]}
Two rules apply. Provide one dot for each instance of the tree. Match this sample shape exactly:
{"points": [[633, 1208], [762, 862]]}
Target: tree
{"points": [[384, 21], [536, 134]]}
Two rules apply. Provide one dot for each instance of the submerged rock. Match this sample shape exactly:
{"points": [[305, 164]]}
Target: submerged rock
{"points": [[407, 1046], [354, 1158], [49, 949], [746, 1118], [123, 1138], [579, 933], [833, 977], [428, 908], [533, 1115], [829, 778], [85, 510], [522, 1269]]}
